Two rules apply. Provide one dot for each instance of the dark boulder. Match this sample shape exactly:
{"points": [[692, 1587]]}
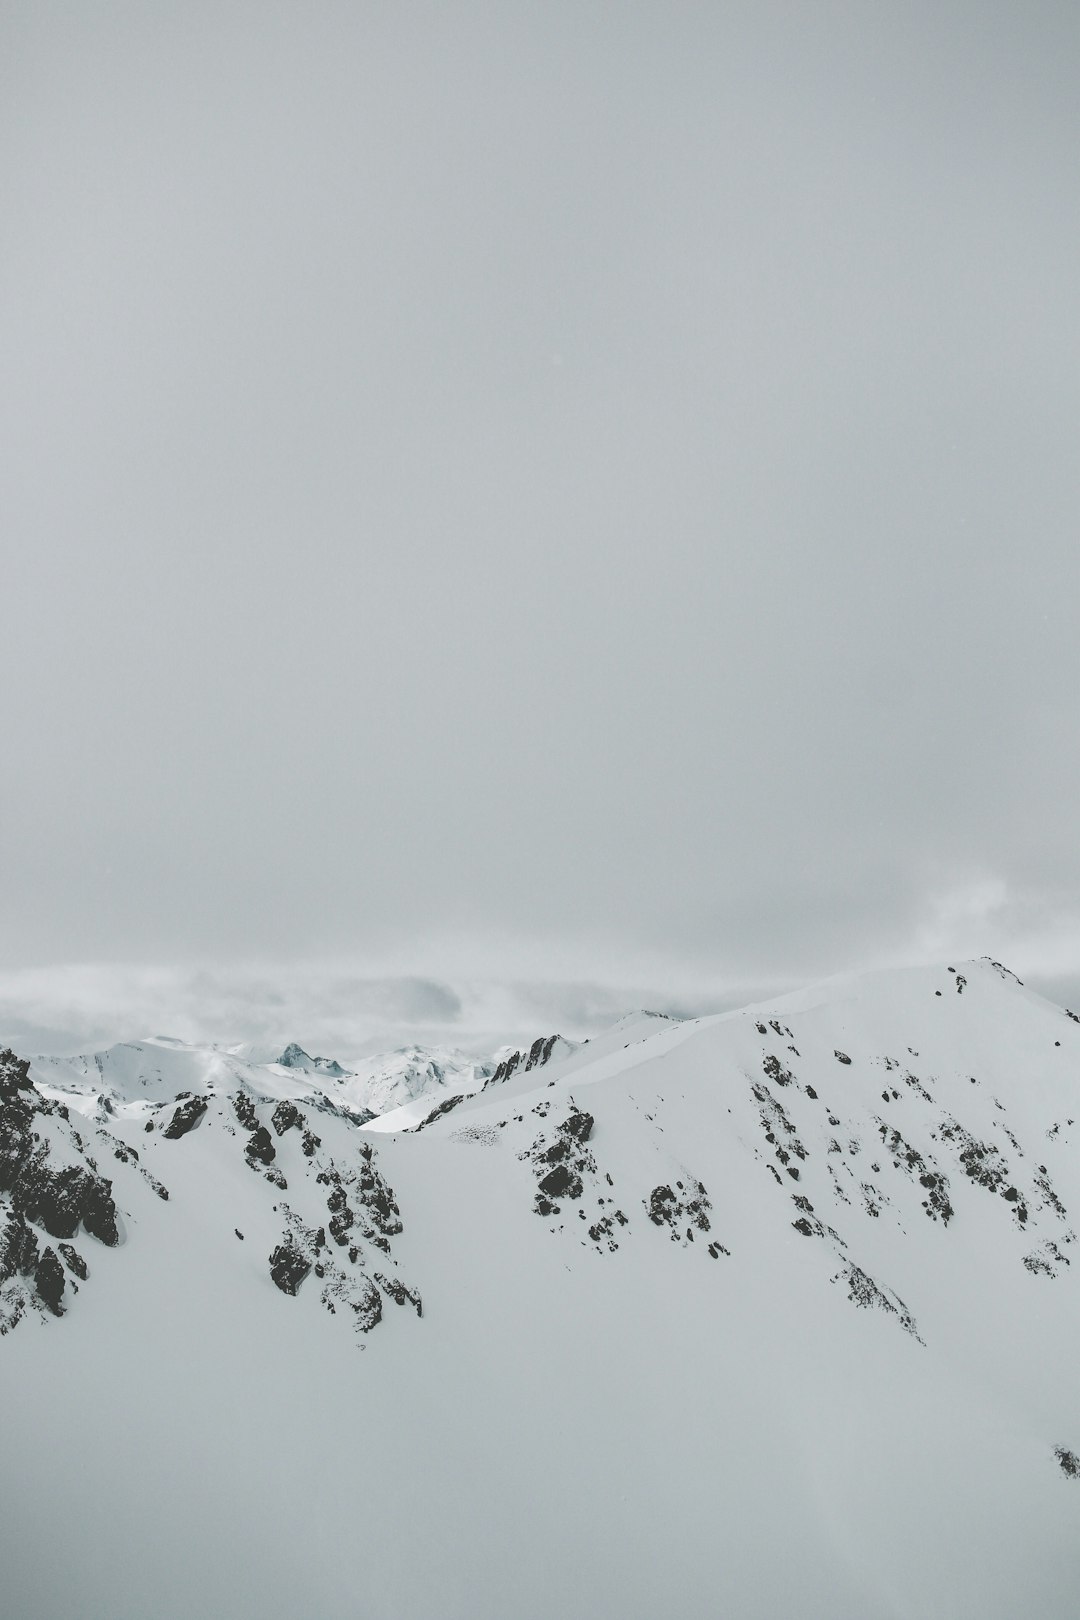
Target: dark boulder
{"points": [[59, 1199], [14, 1075], [561, 1182], [49, 1282], [285, 1116], [244, 1109], [99, 1212], [288, 1267], [18, 1248], [368, 1307], [260, 1146], [185, 1118], [74, 1261], [579, 1126]]}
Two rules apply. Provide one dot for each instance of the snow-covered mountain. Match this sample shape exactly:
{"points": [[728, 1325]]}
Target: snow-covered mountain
{"points": [[768, 1314], [159, 1068]]}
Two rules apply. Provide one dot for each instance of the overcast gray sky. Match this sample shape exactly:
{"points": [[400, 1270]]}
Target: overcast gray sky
{"points": [[562, 490]]}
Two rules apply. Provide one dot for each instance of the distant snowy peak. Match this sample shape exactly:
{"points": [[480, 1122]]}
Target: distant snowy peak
{"points": [[294, 1057], [543, 1050]]}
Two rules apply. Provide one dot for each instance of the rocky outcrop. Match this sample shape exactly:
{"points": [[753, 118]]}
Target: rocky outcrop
{"points": [[682, 1209], [185, 1118], [74, 1261], [562, 1163], [49, 1281], [260, 1147], [538, 1054], [56, 1198], [36, 1191], [13, 1075], [396, 1290], [288, 1266], [244, 1109], [285, 1117]]}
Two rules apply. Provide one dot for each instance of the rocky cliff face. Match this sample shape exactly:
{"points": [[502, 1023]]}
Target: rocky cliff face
{"points": [[50, 1185]]}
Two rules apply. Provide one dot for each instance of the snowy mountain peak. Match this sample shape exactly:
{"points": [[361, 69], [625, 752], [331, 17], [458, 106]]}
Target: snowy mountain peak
{"points": [[294, 1057]]}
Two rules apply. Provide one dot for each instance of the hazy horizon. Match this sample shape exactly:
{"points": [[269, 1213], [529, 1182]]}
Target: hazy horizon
{"points": [[533, 496]]}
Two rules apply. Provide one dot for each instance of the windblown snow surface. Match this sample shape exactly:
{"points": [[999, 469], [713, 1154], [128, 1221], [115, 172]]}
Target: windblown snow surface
{"points": [[773, 1314]]}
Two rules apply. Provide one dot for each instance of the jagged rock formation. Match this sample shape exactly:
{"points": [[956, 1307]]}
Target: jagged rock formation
{"points": [[49, 1183]]}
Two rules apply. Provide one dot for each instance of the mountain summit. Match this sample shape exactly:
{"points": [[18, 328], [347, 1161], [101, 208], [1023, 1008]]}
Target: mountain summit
{"points": [[773, 1313]]}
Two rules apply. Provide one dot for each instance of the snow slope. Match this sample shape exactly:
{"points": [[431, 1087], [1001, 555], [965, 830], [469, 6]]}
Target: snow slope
{"points": [[770, 1314]]}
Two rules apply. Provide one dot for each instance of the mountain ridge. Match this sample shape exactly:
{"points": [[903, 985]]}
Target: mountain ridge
{"points": [[768, 1312]]}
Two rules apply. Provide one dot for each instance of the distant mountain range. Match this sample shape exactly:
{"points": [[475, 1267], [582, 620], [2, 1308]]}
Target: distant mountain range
{"points": [[160, 1067], [769, 1314]]}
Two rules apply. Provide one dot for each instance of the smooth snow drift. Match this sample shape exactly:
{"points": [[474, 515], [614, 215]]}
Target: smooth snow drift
{"points": [[769, 1314]]}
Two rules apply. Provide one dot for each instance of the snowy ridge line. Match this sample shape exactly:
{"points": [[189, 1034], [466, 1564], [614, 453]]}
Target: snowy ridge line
{"points": [[808, 1268]]}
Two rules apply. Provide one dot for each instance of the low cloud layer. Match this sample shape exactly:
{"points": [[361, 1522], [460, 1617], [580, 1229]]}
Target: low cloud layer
{"points": [[331, 1012], [346, 1010]]}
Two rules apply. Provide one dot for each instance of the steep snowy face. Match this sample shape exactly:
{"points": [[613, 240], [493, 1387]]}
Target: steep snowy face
{"points": [[769, 1313]]}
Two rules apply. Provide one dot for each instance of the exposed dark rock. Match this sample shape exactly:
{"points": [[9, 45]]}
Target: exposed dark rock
{"points": [[504, 1070], [18, 1248], [377, 1198], [397, 1291], [99, 1211], [540, 1052], [185, 1118], [578, 1126], [285, 1116], [50, 1282], [367, 1306], [775, 1070], [74, 1261], [341, 1224], [865, 1292], [679, 1210], [59, 1199], [260, 1147], [244, 1109], [288, 1267], [561, 1182], [603, 1232], [437, 1113], [1068, 1461], [14, 1075]]}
